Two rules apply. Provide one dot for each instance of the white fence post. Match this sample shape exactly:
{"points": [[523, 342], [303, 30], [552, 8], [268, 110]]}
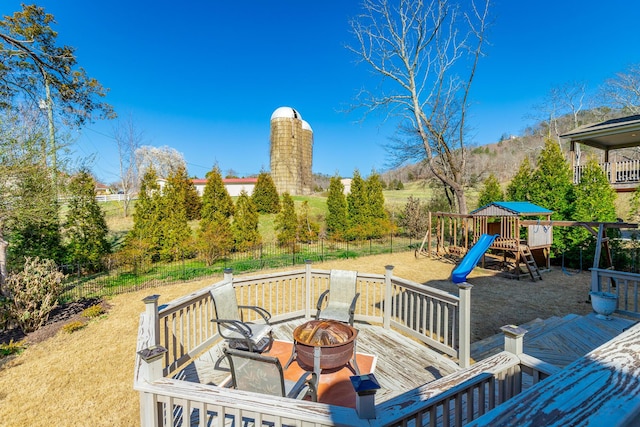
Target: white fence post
{"points": [[307, 284], [513, 339], [151, 363], [464, 339], [387, 306], [151, 311]]}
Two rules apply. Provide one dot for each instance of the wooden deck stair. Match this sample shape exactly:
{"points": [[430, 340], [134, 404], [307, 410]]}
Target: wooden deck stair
{"points": [[557, 340], [530, 262]]}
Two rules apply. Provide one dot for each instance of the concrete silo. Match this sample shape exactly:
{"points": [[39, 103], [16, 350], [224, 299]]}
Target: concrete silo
{"points": [[291, 152]]}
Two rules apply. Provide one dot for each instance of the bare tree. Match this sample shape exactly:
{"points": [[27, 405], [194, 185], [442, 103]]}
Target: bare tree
{"points": [[128, 140], [562, 101], [623, 91], [427, 53], [164, 160]]}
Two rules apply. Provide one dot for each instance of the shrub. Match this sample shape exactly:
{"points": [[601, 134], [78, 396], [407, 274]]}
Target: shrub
{"points": [[73, 326], [34, 292], [93, 311], [12, 347]]}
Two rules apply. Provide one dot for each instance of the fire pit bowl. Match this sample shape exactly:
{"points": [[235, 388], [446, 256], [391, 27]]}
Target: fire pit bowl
{"points": [[336, 341]]}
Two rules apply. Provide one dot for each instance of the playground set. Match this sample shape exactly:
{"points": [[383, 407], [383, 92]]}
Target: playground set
{"points": [[519, 235]]}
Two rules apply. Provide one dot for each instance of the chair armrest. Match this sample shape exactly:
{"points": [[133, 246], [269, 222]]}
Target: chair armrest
{"points": [[234, 325], [309, 379], [352, 308], [321, 299], [261, 311], [323, 296]]}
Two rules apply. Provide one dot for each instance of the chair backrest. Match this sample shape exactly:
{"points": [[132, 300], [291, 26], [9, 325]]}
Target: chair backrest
{"points": [[225, 302], [342, 286], [255, 372]]}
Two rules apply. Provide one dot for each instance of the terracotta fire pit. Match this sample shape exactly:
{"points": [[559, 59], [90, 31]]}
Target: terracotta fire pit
{"points": [[335, 341]]}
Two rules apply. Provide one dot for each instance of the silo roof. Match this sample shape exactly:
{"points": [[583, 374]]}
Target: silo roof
{"points": [[305, 125], [285, 112]]}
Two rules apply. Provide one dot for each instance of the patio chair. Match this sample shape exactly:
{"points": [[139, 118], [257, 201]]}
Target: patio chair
{"points": [[254, 337], [264, 374], [341, 295]]}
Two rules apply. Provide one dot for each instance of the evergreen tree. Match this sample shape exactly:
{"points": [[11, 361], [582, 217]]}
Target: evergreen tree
{"points": [[215, 197], [595, 198], [176, 233], [378, 221], [286, 221], [551, 187], [337, 209], [143, 242], [215, 238], [552, 184], [85, 225], [265, 195], [307, 228], [518, 189], [192, 200], [245, 223], [594, 201], [357, 209], [35, 215], [491, 191]]}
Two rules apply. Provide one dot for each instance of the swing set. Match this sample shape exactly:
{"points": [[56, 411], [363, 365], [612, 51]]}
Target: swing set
{"points": [[524, 237]]}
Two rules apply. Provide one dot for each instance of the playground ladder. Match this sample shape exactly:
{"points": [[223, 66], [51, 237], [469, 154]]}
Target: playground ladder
{"points": [[527, 256]]}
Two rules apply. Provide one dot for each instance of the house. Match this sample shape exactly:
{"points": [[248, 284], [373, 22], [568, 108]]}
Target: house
{"points": [[234, 186], [608, 136]]}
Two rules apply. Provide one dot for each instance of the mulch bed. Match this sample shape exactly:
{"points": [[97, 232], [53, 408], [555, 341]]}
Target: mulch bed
{"points": [[60, 316]]}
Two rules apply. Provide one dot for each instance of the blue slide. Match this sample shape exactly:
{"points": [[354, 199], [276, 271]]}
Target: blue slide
{"points": [[459, 274]]}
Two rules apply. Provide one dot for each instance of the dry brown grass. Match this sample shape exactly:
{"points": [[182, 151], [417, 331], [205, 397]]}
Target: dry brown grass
{"points": [[86, 378]]}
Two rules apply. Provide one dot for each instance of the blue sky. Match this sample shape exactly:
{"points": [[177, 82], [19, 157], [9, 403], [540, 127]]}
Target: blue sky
{"points": [[204, 77]]}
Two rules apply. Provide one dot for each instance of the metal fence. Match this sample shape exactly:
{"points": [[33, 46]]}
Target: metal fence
{"points": [[141, 274]]}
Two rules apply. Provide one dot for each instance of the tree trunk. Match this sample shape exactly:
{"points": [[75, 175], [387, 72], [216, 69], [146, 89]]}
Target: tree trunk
{"points": [[3, 263]]}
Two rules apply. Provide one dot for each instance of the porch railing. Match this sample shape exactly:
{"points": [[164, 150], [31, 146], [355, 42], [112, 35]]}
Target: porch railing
{"points": [[627, 171], [453, 400], [625, 285]]}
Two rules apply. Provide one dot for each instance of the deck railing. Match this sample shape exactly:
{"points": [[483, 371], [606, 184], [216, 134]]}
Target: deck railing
{"points": [[428, 314], [625, 285], [172, 335], [627, 171]]}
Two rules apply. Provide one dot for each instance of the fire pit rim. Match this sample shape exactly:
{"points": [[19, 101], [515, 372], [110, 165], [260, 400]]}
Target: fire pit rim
{"points": [[353, 333]]}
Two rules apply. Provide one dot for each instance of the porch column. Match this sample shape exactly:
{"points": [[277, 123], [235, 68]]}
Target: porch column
{"points": [[386, 313], [464, 340]]}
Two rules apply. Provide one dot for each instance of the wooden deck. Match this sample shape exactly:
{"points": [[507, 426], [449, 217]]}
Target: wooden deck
{"points": [[558, 341], [404, 364]]}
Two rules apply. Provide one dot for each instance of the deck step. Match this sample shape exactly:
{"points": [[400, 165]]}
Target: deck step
{"points": [[535, 328]]}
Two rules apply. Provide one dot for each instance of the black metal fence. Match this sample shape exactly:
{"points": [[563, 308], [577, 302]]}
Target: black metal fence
{"points": [[143, 274]]}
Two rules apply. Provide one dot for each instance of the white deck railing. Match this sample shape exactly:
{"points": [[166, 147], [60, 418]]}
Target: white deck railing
{"points": [[625, 285], [627, 171], [172, 335]]}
